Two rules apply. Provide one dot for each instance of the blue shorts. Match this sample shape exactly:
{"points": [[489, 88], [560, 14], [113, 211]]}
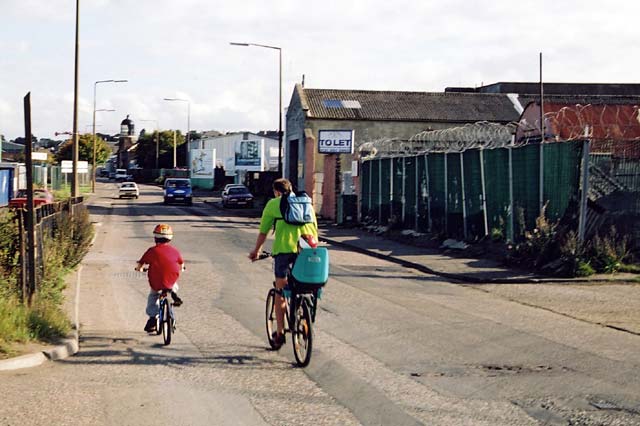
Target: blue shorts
{"points": [[282, 263]]}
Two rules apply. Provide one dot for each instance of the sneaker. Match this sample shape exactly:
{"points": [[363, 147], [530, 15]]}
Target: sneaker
{"points": [[176, 300], [151, 325], [278, 340]]}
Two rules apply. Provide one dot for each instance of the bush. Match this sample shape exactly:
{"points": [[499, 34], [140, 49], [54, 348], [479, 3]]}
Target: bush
{"points": [[64, 246], [607, 253]]}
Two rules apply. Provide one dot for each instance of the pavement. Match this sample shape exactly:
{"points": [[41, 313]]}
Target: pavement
{"points": [[456, 268]]}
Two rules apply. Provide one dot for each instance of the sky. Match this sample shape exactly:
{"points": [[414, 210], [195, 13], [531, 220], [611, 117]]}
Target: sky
{"points": [[180, 49]]}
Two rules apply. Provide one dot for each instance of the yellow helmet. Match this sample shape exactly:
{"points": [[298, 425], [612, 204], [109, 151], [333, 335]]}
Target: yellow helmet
{"points": [[163, 231]]}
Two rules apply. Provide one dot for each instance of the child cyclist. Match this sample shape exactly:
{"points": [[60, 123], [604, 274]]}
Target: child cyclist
{"points": [[165, 264]]}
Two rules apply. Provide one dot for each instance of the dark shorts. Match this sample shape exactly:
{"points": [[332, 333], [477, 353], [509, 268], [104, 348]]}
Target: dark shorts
{"points": [[282, 263]]}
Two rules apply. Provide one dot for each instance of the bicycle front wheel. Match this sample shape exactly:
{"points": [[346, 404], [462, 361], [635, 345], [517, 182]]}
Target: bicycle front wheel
{"points": [[167, 327], [270, 317], [302, 334]]}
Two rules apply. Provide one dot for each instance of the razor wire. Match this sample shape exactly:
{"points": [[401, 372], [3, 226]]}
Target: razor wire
{"points": [[596, 122], [483, 134]]}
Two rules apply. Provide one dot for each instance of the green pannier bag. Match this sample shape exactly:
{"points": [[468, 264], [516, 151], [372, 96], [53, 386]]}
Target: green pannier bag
{"points": [[311, 269]]}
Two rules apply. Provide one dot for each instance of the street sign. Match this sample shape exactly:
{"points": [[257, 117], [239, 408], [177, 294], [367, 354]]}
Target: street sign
{"points": [[335, 141], [66, 166], [42, 156]]}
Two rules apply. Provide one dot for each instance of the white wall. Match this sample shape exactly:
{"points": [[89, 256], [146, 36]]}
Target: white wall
{"points": [[226, 154]]}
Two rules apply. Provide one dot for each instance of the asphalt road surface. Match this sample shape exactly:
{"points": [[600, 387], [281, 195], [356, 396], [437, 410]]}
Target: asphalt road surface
{"points": [[393, 346]]}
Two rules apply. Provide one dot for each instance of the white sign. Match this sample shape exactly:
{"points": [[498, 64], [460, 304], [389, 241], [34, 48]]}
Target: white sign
{"points": [[42, 156], [67, 166], [202, 163], [335, 141]]}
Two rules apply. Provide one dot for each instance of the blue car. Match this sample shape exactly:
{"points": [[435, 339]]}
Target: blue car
{"points": [[178, 190]]}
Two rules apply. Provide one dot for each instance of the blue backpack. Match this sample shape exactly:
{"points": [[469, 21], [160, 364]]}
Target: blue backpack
{"points": [[296, 209]]}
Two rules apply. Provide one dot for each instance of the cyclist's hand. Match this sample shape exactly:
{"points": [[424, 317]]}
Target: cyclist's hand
{"points": [[253, 255]]}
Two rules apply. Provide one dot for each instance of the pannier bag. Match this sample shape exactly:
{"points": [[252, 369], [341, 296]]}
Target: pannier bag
{"points": [[312, 267], [296, 209]]}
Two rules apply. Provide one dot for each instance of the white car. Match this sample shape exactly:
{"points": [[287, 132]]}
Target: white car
{"points": [[128, 190]]}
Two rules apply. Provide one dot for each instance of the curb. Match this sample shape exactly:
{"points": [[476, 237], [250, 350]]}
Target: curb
{"points": [[66, 348], [461, 277]]}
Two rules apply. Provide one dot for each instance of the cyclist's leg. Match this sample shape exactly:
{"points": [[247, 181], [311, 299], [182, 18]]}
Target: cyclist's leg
{"points": [[281, 265], [151, 310]]}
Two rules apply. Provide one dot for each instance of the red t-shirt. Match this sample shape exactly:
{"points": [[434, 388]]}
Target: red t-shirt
{"points": [[164, 262]]}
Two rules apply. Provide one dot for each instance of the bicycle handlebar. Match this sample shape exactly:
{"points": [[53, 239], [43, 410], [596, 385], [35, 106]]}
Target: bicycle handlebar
{"points": [[264, 255]]}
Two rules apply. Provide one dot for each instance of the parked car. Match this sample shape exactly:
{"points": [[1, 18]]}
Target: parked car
{"points": [[40, 196], [237, 196], [128, 190], [178, 190], [230, 185], [122, 175]]}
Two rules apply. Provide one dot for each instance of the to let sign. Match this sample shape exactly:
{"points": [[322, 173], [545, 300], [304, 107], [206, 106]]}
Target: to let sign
{"points": [[335, 141]]}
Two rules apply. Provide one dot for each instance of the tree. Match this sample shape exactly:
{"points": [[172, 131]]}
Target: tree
{"points": [[146, 149], [85, 149]]}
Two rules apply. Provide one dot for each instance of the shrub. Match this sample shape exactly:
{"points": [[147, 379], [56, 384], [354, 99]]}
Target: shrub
{"points": [[608, 252]]}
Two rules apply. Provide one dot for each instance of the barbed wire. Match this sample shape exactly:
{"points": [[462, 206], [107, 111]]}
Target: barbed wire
{"points": [[601, 123]]}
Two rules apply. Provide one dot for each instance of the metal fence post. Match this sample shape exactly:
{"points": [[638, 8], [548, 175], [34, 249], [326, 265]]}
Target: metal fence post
{"points": [[403, 198], [446, 196], [391, 189], [510, 235], [582, 224], [484, 194], [428, 182], [380, 192], [417, 207], [464, 199]]}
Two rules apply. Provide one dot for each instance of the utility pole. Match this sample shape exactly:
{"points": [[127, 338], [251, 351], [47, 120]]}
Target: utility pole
{"points": [[75, 147]]}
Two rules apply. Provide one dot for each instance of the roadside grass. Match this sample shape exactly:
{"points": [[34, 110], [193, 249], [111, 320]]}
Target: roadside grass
{"points": [[45, 320]]}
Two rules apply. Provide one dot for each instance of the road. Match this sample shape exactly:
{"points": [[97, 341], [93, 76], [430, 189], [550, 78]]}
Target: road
{"points": [[393, 346]]}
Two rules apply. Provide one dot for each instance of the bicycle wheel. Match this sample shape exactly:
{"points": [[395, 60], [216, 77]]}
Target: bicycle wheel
{"points": [[167, 328], [159, 319], [302, 334], [270, 317]]}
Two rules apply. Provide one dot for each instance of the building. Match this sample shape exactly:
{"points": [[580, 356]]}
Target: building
{"points": [[370, 115], [236, 153]]}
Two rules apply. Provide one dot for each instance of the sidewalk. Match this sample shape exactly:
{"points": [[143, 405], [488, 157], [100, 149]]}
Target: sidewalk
{"points": [[433, 261]]}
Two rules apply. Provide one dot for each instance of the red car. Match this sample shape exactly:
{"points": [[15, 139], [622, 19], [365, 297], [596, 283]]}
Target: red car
{"points": [[40, 196]]}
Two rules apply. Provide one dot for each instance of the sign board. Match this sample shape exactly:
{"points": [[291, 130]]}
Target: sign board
{"points": [[335, 141], [41, 156], [249, 154], [202, 163], [67, 166]]}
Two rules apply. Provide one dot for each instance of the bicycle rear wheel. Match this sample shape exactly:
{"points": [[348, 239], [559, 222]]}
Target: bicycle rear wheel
{"points": [[167, 327], [270, 317], [302, 334]]}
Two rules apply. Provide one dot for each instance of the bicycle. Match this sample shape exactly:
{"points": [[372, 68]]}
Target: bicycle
{"points": [[166, 319], [301, 301]]}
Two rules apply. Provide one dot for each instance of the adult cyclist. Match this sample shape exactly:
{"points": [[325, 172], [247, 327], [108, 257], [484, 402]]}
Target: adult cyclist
{"points": [[284, 248]]}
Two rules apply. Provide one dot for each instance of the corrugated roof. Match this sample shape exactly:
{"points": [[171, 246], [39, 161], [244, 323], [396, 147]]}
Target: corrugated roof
{"points": [[407, 106]]}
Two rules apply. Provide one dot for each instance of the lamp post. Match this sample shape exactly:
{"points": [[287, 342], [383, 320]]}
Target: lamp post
{"points": [[95, 87], [157, 140], [188, 116], [279, 96]]}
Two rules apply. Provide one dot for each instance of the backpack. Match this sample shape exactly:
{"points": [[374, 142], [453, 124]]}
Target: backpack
{"points": [[296, 209]]}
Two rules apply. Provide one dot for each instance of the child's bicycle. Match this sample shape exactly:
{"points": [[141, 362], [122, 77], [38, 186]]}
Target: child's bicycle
{"points": [[301, 301], [166, 319]]}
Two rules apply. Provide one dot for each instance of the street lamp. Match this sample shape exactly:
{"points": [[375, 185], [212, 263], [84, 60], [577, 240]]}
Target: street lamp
{"points": [[157, 140], [95, 87], [188, 115], [279, 96]]}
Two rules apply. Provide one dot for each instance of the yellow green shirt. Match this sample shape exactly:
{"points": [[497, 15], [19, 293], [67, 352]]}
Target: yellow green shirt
{"points": [[286, 238]]}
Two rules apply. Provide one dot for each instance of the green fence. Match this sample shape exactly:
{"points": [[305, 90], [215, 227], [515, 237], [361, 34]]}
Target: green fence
{"points": [[471, 194]]}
